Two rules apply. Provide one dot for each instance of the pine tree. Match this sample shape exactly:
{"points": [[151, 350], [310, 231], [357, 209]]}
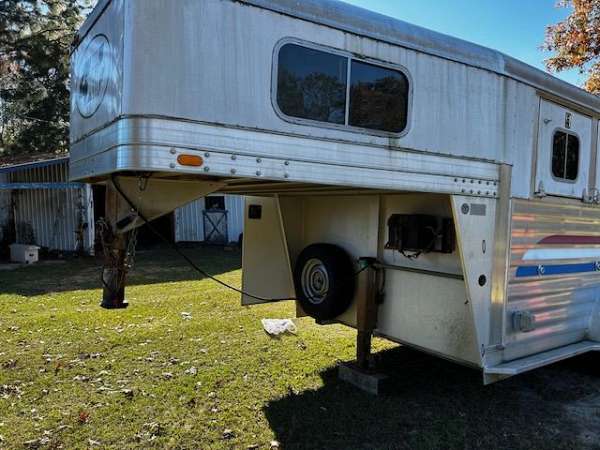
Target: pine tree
{"points": [[35, 44]]}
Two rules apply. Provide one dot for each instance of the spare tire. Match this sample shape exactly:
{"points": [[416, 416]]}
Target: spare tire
{"points": [[325, 281]]}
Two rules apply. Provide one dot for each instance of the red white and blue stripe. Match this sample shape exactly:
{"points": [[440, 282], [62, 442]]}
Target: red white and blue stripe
{"points": [[561, 247]]}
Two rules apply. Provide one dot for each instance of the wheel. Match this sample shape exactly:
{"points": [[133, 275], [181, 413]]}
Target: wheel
{"points": [[325, 281]]}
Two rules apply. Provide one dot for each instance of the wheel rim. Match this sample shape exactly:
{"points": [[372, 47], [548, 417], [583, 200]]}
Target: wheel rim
{"points": [[315, 281]]}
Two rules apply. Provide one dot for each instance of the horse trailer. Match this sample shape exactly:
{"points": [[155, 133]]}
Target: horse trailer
{"points": [[408, 184]]}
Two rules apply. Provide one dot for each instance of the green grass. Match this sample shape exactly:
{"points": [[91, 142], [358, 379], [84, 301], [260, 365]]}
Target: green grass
{"points": [[75, 376]]}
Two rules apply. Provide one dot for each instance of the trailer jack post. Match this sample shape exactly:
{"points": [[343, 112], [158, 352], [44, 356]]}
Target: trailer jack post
{"points": [[363, 350], [118, 247], [361, 373], [114, 274], [366, 312]]}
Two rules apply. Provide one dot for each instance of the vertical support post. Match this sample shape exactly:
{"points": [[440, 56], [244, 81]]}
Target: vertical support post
{"points": [[360, 374], [115, 271], [366, 316], [503, 221], [114, 274]]}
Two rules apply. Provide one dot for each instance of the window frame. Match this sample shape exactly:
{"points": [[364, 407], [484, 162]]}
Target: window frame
{"points": [[220, 197], [568, 133], [350, 57]]}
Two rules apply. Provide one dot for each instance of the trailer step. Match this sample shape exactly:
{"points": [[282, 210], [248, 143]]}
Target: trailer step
{"points": [[541, 359]]}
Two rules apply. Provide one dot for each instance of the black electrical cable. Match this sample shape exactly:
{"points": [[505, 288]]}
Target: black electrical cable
{"points": [[177, 250]]}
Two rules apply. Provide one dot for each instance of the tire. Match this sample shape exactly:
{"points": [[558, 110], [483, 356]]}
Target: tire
{"points": [[325, 281]]}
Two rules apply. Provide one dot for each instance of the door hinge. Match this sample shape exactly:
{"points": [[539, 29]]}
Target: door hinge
{"points": [[540, 192], [592, 196]]}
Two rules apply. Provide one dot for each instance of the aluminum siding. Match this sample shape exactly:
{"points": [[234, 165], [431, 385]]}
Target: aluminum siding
{"points": [[189, 226], [562, 304], [448, 98]]}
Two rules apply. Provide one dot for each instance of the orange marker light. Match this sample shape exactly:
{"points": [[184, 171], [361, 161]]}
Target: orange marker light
{"points": [[190, 160]]}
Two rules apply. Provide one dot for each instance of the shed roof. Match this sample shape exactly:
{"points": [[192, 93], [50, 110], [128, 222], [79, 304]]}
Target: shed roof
{"points": [[33, 165]]}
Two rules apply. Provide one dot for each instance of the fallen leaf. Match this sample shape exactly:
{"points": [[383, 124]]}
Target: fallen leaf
{"points": [[83, 417]]}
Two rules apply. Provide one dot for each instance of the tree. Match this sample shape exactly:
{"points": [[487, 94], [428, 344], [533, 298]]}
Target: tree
{"points": [[575, 42], [35, 43]]}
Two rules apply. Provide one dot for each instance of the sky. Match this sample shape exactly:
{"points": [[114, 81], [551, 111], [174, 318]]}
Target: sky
{"points": [[515, 27]]}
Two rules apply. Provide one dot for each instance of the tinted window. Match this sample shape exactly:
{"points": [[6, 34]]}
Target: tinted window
{"points": [[565, 156], [311, 84], [378, 98]]}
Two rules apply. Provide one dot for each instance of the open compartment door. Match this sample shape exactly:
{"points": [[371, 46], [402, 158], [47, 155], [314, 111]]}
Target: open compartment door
{"points": [[265, 258]]}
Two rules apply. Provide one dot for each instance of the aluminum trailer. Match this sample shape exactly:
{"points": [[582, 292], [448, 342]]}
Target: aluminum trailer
{"points": [[406, 183]]}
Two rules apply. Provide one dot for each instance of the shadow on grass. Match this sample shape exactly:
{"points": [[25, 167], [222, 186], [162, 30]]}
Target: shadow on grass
{"points": [[434, 404], [154, 265]]}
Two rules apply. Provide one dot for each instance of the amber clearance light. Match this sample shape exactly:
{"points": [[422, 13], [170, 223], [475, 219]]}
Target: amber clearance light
{"points": [[190, 160]]}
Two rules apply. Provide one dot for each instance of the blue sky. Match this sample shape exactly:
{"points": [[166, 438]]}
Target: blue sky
{"points": [[515, 27]]}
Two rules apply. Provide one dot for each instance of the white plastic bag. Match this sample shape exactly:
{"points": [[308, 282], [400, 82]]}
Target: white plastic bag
{"points": [[276, 327]]}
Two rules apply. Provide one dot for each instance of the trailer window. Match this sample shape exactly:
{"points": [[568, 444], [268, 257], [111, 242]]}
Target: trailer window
{"points": [[216, 202], [565, 156], [378, 98], [312, 84], [337, 89]]}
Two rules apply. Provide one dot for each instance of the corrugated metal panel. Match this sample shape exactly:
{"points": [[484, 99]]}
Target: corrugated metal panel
{"points": [[234, 204], [5, 207], [189, 222], [562, 304], [189, 226], [58, 219]]}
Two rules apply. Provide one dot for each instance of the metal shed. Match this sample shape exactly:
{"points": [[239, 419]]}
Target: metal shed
{"points": [[215, 219], [41, 207]]}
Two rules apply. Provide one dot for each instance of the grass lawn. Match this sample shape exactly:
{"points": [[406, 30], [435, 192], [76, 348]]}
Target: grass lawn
{"points": [[75, 376]]}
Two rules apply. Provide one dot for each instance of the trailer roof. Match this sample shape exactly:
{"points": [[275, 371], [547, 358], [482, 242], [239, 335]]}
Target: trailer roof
{"points": [[360, 21]]}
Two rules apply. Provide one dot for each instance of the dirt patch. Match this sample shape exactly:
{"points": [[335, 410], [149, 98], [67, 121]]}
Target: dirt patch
{"points": [[585, 414]]}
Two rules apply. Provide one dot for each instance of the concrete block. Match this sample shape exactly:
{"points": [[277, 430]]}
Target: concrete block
{"points": [[368, 381]]}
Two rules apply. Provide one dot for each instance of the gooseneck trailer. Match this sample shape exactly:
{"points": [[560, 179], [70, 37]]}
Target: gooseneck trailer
{"points": [[409, 184]]}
